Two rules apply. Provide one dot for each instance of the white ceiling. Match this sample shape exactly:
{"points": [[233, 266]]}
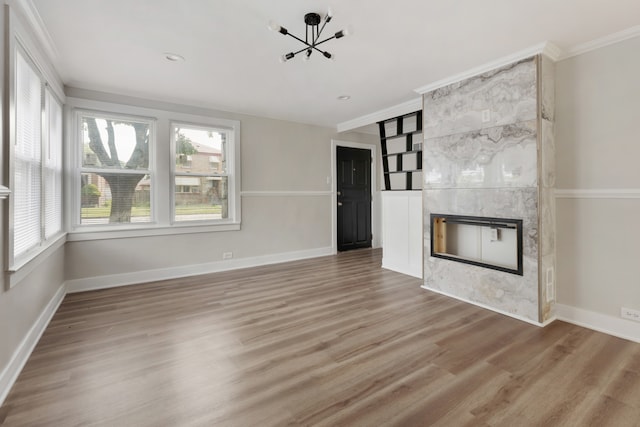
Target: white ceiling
{"points": [[232, 58]]}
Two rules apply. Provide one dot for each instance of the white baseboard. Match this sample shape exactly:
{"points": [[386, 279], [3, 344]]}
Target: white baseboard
{"points": [[611, 325], [506, 313], [20, 356], [115, 280]]}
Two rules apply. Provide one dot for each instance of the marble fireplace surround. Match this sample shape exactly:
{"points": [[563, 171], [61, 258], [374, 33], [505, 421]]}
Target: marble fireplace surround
{"points": [[489, 152]]}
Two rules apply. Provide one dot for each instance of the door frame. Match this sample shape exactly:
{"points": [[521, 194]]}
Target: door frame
{"points": [[376, 229]]}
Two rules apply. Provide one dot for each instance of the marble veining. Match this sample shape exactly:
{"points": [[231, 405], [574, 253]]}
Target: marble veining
{"points": [[500, 164], [505, 291], [503, 156], [547, 155], [508, 93], [547, 208], [547, 82], [510, 293]]}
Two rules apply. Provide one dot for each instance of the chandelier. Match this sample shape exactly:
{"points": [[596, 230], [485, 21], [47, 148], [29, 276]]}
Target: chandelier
{"points": [[311, 40]]}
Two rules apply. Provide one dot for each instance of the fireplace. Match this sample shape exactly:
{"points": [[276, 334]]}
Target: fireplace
{"points": [[494, 243]]}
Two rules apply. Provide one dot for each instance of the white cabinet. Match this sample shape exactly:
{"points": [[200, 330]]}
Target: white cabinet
{"points": [[402, 237]]}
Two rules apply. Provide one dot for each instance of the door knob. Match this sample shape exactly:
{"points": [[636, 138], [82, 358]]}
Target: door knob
{"points": [[339, 203], [339, 193]]}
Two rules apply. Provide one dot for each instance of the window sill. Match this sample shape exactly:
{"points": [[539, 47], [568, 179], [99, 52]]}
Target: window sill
{"points": [[22, 269], [82, 235]]}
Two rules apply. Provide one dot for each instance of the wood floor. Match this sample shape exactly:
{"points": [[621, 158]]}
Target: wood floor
{"points": [[334, 341]]}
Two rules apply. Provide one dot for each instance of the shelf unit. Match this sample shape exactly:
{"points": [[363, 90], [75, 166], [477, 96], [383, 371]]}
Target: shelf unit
{"points": [[401, 142]]}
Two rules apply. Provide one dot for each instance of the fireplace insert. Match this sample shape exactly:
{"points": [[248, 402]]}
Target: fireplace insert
{"points": [[494, 243]]}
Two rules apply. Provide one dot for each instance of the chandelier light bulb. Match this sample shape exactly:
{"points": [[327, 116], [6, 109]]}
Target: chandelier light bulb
{"points": [[173, 57], [288, 56], [343, 33], [273, 26]]}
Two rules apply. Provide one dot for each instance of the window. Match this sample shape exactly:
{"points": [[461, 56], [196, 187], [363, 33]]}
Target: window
{"points": [[36, 167], [201, 185], [115, 177], [27, 166], [131, 179]]}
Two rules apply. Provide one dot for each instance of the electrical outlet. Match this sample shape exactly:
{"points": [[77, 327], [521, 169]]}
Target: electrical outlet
{"points": [[631, 314], [227, 255], [486, 116]]}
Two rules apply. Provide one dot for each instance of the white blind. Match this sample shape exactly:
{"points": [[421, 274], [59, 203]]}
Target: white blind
{"points": [[52, 166], [27, 158]]}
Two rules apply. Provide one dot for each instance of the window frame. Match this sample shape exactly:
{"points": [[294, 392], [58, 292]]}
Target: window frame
{"points": [[161, 159], [19, 45], [78, 168], [229, 173], [59, 166]]}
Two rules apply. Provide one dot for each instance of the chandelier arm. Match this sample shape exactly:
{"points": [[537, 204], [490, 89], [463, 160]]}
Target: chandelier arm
{"points": [[301, 50], [320, 32], [319, 50], [323, 41], [299, 39]]}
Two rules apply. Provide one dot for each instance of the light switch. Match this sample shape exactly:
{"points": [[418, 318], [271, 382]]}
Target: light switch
{"points": [[486, 116], [495, 234]]}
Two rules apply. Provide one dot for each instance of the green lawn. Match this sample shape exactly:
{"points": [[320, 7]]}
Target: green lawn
{"points": [[103, 212]]}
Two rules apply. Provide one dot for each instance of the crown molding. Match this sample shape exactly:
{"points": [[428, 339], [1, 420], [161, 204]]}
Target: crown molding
{"points": [[29, 12], [620, 36], [387, 113], [547, 48]]}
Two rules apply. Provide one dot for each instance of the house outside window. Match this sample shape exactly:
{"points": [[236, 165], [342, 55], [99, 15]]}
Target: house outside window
{"points": [[201, 185]]}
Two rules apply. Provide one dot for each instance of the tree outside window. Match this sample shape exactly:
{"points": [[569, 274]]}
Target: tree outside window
{"points": [[116, 168]]}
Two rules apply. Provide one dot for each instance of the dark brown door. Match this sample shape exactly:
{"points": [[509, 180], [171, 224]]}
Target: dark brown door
{"points": [[354, 198]]}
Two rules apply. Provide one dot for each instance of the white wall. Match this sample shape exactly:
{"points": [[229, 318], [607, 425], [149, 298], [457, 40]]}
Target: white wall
{"points": [[284, 166], [26, 303], [598, 158]]}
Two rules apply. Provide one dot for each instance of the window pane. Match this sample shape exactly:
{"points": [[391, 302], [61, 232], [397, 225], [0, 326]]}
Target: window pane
{"points": [[200, 151], [27, 157], [52, 166], [200, 198], [26, 208], [115, 144], [112, 198]]}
